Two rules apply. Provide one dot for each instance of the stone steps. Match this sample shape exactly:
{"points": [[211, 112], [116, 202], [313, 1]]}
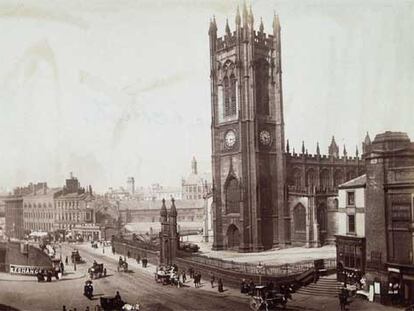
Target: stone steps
{"points": [[327, 287]]}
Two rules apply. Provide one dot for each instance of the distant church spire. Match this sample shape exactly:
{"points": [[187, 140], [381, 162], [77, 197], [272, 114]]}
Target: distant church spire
{"points": [[276, 23], [366, 143]]}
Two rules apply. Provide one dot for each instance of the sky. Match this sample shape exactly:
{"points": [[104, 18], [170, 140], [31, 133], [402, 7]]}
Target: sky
{"points": [[109, 89]]}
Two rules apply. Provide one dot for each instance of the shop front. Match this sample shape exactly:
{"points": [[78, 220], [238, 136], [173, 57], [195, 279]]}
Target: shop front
{"points": [[350, 257], [400, 284]]}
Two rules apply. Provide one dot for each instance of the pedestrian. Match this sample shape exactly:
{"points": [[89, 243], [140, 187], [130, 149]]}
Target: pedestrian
{"points": [[195, 282], [191, 272], [220, 285], [62, 267], [138, 259], [343, 296], [184, 277], [66, 260], [251, 287], [64, 308], [212, 279], [243, 286], [129, 254]]}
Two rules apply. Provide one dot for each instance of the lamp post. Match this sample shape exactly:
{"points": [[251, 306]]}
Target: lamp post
{"points": [[260, 268]]}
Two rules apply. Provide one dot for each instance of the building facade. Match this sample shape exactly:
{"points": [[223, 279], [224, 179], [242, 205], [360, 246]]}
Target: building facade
{"points": [[390, 216], [39, 209], [14, 217], [264, 196], [73, 206], [350, 238]]}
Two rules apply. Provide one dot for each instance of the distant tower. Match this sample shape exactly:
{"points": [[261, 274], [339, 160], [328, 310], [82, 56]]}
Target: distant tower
{"points": [[131, 185], [247, 131], [164, 236], [194, 166], [173, 230]]}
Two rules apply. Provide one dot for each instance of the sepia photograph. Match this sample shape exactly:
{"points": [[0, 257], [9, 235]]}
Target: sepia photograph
{"points": [[163, 155]]}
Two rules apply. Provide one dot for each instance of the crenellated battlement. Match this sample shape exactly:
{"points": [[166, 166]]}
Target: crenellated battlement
{"points": [[322, 158], [260, 39]]}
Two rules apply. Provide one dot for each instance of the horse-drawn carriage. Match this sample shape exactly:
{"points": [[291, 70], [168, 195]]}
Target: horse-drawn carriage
{"points": [[97, 270], [116, 304], [266, 299], [122, 265], [166, 276], [76, 256]]}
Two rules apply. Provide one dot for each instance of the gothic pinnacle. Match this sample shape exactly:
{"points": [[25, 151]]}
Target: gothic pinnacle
{"points": [[276, 23], [303, 147], [238, 18], [228, 32], [245, 14], [261, 28], [287, 146], [251, 17], [318, 151]]}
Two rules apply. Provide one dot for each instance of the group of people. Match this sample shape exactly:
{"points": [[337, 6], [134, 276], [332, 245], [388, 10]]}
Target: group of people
{"points": [[46, 275]]}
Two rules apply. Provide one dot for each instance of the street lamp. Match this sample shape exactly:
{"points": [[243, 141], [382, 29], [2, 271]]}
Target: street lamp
{"points": [[260, 268]]}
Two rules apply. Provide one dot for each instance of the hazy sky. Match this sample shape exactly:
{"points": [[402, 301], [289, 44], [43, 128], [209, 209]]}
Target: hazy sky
{"points": [[110, 89]]}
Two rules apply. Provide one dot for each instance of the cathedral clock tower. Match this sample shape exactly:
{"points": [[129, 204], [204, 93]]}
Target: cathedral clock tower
{"points": [[247, 130]]}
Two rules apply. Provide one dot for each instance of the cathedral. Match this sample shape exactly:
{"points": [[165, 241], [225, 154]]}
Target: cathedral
{"points": [[265, 195]]}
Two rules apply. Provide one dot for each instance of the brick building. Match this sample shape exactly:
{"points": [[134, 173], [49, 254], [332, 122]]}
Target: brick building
{"points": [[264, 195], [390, 215]]}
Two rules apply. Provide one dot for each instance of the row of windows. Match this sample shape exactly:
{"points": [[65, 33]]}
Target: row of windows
{"points": [[39, 226], [59, 204], [193, 197], [324, 178], [38, 215], [193, 189]]}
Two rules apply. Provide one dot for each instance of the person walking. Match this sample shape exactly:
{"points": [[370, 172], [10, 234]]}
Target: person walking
{"points": [[66, 260], [343, 298], [62, 267], [184, 277], [220, 285], [212, 279]]}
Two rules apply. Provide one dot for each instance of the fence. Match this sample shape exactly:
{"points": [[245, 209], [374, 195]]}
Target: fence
{"points": [[134, 249], [255, 269]]}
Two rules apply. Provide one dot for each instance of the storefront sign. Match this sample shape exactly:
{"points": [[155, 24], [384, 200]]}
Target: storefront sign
{"points": [[393, 270], [26, 270]]}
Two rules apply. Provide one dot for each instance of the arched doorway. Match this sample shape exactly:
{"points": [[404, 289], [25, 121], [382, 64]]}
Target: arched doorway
{"points": [[233, 237], [322, 219]]}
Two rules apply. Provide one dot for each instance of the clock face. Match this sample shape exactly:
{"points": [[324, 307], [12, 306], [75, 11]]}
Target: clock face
{"points": [[230, 138], [265, 138]]}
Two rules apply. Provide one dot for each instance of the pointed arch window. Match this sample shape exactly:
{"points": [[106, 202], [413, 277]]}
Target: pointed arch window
{"points": [[233, 98], [226, 90], [233, 196], [262, 87]]}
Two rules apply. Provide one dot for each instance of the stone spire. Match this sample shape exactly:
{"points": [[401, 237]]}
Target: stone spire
{"points": [[345, 152], [333, 148], [366, 143], [245, 15], [228, 32], [357, 152], [287, 146], [276, 23], [303, 147], [251, 18], [213, 27], [163, 212], [238, 17], [173, 210], [261, 28], [318, 151]]}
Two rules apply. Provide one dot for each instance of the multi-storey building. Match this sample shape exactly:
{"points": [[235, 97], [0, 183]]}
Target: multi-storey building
{"points": [[389, 216], [350, 238], [73, 205], [264, 196], [39, 208]]}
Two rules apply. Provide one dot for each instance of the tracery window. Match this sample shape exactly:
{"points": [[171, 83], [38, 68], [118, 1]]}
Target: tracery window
{"points": [[262, 87], [230, 96], [299, 217], [233, 196]]}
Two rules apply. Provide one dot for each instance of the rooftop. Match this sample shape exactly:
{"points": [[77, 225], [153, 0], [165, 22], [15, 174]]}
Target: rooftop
{"points": [[357, 182]]}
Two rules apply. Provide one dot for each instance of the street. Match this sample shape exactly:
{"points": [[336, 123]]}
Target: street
{"points": [[134, 286]]}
